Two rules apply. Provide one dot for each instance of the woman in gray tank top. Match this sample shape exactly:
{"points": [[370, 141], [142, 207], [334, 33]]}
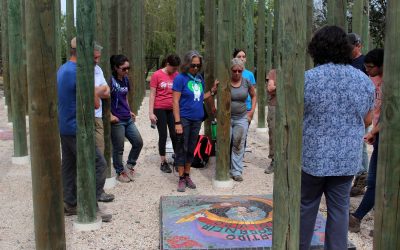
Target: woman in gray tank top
{"points": [[240, 89]]}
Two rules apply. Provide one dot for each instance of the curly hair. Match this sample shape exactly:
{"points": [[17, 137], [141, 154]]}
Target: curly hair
{"points": [[116, 61], [330, 45]]}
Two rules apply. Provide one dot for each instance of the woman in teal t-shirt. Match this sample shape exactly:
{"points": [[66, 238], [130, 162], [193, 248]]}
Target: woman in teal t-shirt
{"points": [[188, 96]]}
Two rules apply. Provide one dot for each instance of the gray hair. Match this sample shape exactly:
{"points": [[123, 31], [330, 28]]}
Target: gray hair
{"points": [[237, 62], [97, 46], [187, 60]]}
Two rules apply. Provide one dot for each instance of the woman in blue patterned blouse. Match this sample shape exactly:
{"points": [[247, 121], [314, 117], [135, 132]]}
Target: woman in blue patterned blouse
{"points": [[338, 100]]}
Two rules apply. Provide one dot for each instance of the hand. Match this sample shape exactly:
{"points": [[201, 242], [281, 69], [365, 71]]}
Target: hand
{"points": [[215, 87], [250, 116], [114, 119], [178, 129], [369, 138], [133, 116], [153, 118], [213, 110]]}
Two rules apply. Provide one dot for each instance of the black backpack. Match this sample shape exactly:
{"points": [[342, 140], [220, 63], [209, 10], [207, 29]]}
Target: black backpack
{"points": [[202, 152]]}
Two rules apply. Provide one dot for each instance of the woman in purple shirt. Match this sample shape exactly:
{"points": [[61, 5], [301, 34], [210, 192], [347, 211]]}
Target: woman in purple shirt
{"points": [[122, 120]]}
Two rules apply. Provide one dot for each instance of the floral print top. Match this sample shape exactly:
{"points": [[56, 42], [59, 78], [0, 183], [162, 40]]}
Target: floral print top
{"points": [[337, 97]]}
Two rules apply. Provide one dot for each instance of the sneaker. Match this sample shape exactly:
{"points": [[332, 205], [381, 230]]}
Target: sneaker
{"points": [[354, 224], [104, 197], [105, 216], [69, 209], [189, 182], [130, 171], [165, 167], [237, 178], [270, 168], [123, 177], [181, 185], [359, 185]]}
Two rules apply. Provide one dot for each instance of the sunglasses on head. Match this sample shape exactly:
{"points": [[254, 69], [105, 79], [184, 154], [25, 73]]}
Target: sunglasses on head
{"points": [[237, 71], [193, 65], [125, 69]]}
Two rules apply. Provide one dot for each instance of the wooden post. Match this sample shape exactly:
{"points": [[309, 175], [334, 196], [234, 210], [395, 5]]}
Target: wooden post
{"points": [[276, 32], [138, 52], [18, 97], [70, 27], [310, 14], [289, 119], [187, 26], [387, 198], [365, 28], [103, 37], [225, 46], [44, 138], [113, 29], [122, 26], [357, 17], [209, 52], [23, 76], [58, 33], [269, 41], [249, 34], [238, 28], [5, 57], [337, 13], [86, 182], [261, 63]]}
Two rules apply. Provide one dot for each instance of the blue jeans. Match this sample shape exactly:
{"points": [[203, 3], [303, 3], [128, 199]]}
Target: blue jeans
{"points": [[337, 193], [184, 154], [368, 200], [119, 131], [239, 127]]}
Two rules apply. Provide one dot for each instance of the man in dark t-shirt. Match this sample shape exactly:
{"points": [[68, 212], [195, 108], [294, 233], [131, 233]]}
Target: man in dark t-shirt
{"points": [[358, 63]]}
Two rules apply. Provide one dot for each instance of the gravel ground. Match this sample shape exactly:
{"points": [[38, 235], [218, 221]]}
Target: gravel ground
{"points": [[135, 223]]}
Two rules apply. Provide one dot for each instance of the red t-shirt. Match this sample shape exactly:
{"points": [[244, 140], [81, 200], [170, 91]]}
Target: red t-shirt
{"points": [[162, 82]]}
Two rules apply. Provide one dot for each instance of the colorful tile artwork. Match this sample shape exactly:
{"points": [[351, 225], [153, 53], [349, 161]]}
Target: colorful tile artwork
{"points": [[222, 222]]}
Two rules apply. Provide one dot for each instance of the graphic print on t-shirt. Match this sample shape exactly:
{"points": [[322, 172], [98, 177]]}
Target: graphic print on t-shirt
{"points": [[196, 88]]}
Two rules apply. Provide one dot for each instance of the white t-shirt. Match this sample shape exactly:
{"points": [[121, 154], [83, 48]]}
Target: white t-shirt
{"points": [[99, 80]]}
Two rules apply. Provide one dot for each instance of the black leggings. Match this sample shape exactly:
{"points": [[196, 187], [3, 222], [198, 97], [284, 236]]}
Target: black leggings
{"points": [[165, 117]]}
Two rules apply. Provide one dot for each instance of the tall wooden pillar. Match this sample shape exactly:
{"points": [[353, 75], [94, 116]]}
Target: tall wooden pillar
{"points": [[270, 22], [86, 180], [337, 13], [365, 27], [70, 27], [17, 86], [224, 49], [103, 37], [261, 63], [289, 119], [48, 206], [187, 28], [387, 197], [210, 51], [113, 28], [5, 57], [249, 34], [310, 14]]}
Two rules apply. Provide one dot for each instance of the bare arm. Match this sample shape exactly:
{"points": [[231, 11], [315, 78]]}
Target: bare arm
{"points": [[103, 91], [253, 97], [213, 89], [152, 117], [370, 136], [96, 101], [368, 119], [176, 96]]}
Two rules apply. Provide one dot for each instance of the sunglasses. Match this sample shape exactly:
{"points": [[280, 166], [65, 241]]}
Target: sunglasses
{"points": [[237, 71], [125, 69], [195, 65]]}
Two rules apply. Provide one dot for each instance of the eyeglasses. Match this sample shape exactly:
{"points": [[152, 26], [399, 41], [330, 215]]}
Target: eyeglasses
{"points": [[237, 71], [125, 69], [193, 65], [369, 66]]}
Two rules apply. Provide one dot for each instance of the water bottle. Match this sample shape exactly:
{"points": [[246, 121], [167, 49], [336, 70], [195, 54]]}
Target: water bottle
{"points": [[213, 130]]}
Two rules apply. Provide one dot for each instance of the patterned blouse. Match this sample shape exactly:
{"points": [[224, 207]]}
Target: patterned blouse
{"points": [[336, 99]]}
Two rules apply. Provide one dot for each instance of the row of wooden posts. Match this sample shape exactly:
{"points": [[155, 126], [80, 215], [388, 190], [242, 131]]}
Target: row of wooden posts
{"points": [[122, 33]]}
